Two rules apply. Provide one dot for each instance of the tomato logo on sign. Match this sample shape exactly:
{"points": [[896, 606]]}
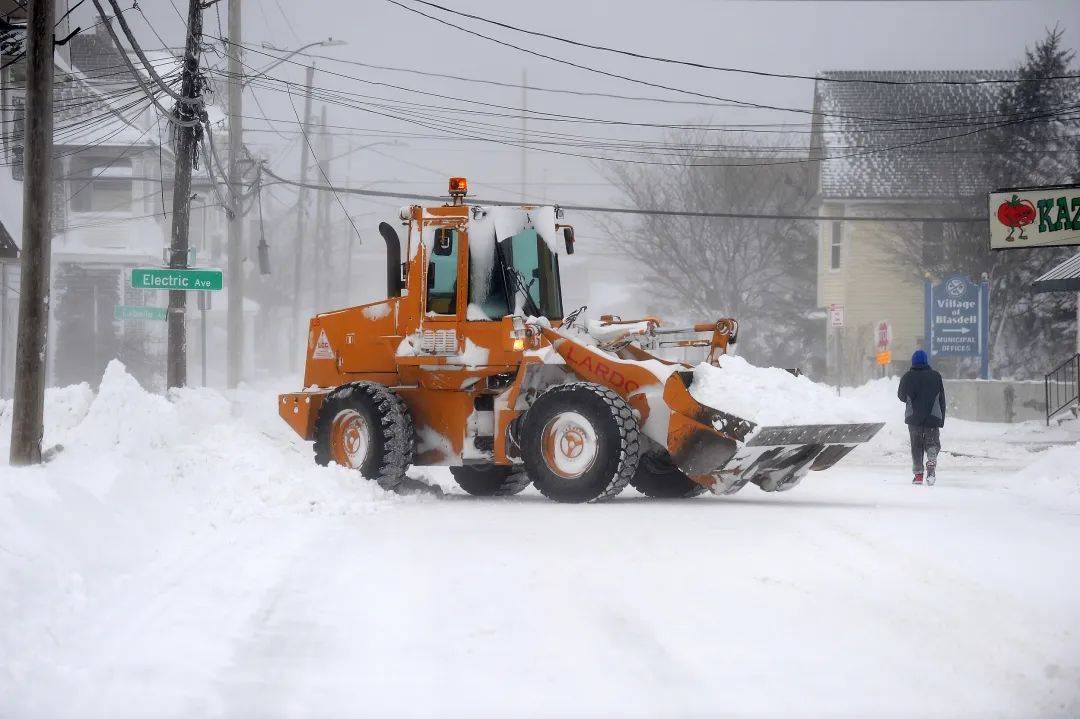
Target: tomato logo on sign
{"points": [[1016, 214]]}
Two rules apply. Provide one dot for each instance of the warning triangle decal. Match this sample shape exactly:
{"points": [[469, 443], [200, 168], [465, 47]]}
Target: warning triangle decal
{"points": [[322, 348]]}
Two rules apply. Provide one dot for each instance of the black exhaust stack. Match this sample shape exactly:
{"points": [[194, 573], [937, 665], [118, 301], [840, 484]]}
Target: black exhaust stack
{"points": [[393, 259]]}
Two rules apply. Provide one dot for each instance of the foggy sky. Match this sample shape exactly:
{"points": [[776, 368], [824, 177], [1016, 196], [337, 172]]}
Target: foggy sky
{"points": [[793, 37]]}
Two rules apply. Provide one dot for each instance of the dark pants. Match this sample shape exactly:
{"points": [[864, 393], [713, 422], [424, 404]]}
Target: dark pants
{"points": [[923, 440]]}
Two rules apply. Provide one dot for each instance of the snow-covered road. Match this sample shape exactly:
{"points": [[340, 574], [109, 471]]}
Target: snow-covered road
{"points": [[187, 580]]}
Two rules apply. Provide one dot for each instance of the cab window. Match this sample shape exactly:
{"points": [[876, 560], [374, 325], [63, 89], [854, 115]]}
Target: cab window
{"points": [[442, 273]]}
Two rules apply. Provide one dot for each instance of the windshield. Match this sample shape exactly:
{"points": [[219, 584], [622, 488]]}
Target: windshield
{"points": [[523, 279]]}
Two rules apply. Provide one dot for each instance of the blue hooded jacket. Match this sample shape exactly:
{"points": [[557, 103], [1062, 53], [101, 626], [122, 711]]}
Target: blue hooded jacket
{"points": [[923, 393]]}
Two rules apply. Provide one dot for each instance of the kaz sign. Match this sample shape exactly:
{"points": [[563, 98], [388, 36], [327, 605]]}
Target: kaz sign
{"points": [[1035, 217], [957, 319]]}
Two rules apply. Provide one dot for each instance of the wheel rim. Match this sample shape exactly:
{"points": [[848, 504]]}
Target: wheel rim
{"points": [[569, 445], [349, 439]]}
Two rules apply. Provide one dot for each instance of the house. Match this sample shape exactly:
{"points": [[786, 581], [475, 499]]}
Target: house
{"points": [[112, 206], [873, 162]]}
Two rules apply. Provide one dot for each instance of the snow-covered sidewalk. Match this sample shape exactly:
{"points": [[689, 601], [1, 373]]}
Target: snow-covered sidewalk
{"points": [[185, 558]]}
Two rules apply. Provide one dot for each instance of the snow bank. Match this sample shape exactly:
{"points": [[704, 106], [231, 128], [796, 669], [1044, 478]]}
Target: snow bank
{"points": [[1057, 468], [772, 396], [139, 477]]}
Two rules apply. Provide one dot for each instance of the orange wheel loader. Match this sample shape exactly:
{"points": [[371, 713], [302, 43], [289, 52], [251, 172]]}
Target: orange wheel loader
{"points": [[470, 362]]}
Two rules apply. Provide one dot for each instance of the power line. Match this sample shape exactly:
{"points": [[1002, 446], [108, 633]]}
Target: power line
{"points": [[318, 164], [745, 71], [630, 211], [926, 119], [628, 78]]}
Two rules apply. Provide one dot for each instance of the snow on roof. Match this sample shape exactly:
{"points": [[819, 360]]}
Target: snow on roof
{"points": [[1064, 277], [935, 170]]}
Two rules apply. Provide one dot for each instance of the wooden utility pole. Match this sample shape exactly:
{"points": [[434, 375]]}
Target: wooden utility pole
{"points": [[27, 424], [186, 139], [234, 335], [301, 216], [322, 229]]}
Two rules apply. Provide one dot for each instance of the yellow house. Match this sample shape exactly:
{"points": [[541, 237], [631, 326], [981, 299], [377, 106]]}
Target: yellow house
{"points": [[885, 145]]}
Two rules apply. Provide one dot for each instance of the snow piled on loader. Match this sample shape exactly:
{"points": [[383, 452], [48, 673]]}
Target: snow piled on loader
{"points": [[770, 396]]}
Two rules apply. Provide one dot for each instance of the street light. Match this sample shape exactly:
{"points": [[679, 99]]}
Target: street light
{"points": [[329, 42]]}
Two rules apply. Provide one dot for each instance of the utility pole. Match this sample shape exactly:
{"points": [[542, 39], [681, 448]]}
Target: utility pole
{"points": [[186, 139], [234, 336], [319, 250], [301, 216], [524, 137], [27, 423]]}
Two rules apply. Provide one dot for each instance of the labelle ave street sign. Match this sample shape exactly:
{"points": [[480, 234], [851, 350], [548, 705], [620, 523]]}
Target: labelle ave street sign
{"points": [[128, 312], [167, 278], [1035, 217]]}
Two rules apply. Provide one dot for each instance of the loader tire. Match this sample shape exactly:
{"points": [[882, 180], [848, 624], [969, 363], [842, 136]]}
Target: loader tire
{"points": [[580, 443], [490, 480], [658, 477], [367, 427]]}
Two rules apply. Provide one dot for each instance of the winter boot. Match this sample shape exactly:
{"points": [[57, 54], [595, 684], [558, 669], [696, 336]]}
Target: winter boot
{"points": [[931, 473], [918, 478]]}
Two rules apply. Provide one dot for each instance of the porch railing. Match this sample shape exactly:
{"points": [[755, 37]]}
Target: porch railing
{"points": [[1062, 386]]}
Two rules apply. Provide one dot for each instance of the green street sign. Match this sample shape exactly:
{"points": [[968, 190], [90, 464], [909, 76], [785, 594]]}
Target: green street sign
{"points": [[166, 278], [127, 312]]}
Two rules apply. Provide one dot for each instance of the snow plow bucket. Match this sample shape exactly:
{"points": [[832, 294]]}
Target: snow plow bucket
{"points": [[725, 452], [777, 458]]}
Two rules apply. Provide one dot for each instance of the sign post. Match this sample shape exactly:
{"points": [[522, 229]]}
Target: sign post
{"points": [[957, 320], [884, 344]]}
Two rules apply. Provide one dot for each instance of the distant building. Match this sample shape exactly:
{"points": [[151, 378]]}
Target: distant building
{"points": [[858, 267], [112, 208]]}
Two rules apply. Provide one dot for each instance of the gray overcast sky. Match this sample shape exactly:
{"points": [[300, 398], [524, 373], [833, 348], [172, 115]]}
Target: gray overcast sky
{"points": [[793, 37]]}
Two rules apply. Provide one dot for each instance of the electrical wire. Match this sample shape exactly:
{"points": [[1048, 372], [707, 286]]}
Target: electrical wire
{"points": [[632, 211], [318, 164], [744, 71]]}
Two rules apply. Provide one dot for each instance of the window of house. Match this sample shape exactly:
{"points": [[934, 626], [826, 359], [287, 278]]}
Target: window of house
{"points": [[102, 187], [933, 249], [836, 245]]}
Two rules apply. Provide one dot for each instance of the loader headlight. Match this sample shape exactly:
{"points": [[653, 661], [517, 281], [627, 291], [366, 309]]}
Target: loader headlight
{"points": [[519, 345]]}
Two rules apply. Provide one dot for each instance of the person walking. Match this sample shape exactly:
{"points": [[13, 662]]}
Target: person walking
{"points": [[923, 393]]}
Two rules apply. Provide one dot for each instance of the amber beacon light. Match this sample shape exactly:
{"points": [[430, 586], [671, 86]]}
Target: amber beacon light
{"points": [[459, 186]]}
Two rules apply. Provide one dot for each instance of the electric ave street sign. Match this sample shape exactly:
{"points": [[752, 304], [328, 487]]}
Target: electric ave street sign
{"points": [[128, 312], [167, 278], [957, 320], [1034, 217]]}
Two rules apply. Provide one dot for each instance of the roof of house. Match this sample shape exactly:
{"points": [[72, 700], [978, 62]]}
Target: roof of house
{"points": [[1062, 278], [902, 159]]}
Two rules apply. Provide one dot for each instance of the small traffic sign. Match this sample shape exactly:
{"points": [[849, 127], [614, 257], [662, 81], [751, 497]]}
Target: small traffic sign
{"points": [[168, 278], [123, 313], [884, 336], [836, 315], [884, 358]]}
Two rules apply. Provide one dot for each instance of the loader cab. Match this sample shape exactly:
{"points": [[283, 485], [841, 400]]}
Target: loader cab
{"points": [[521, 278], [480, 280]]}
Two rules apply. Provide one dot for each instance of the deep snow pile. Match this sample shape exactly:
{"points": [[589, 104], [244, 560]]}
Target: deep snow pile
{"points": [[1058, 468], [137, 476], [772, 396]]}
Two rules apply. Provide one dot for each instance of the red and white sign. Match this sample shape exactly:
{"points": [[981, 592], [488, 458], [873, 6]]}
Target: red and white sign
{"points": [[836, 315], [323, 350], [884, 336]]}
